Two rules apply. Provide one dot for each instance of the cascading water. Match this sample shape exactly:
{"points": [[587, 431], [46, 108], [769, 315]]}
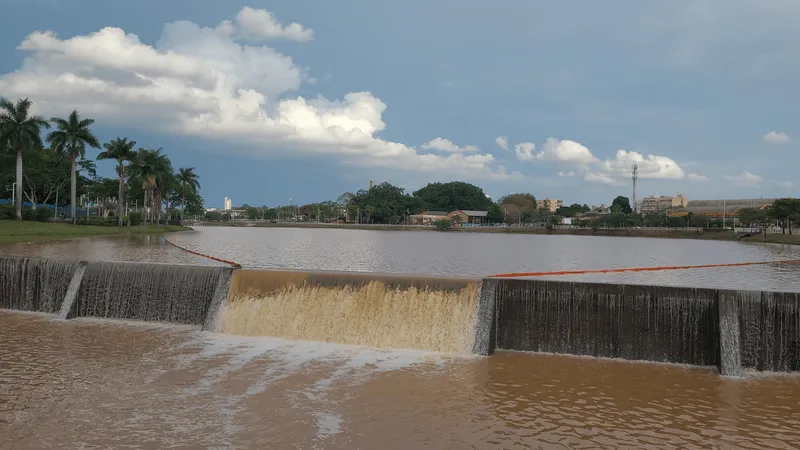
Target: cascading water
{"points": [[665, 324], [374, 313], [770, 331], [34, 284], [148, 292]]}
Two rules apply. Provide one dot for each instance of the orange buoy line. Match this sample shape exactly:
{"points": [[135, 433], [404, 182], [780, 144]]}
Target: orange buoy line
{"points": [[214, 258], [639, 269]]}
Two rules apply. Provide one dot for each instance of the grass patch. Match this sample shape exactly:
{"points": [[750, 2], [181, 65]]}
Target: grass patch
{"points": [[13, 231]]}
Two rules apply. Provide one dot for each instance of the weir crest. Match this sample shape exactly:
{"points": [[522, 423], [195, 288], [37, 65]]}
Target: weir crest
{"points": [[733, 330]]}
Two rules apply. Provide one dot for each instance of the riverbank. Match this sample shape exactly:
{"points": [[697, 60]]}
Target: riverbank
{"points": [[15, 232], [669, 233]]}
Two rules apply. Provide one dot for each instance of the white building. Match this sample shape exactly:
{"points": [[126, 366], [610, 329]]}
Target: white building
{"points": [[227, 204]]}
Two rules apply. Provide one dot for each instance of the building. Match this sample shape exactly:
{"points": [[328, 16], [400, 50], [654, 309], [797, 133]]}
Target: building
{"points": [[427, 217], [227, 204], [468, 217], [720, 208], [549, 205], [662, 203]]}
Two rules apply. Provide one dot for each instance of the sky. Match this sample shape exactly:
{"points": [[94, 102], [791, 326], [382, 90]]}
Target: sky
{"points": [[304, 100]]}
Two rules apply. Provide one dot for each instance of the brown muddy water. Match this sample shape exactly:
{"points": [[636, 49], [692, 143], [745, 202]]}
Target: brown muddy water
{"points": [[103, 384]]}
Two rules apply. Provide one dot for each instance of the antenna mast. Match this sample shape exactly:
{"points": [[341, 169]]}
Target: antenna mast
{"points": [[634, 177]]}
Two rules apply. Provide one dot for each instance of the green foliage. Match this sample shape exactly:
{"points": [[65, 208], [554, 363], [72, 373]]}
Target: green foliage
{"points": [[622, 204], [495, 214], [453, 196], [6, 212], [97, 221], [443, 224], [572, 210], [135, 219], [213, 216], [384, 203]]}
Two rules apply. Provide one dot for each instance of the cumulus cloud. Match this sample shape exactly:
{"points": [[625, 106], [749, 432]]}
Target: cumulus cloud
{"points": [[260, 25], [744, 179], [571, 173], [217, 84], [696, 177], [445, 145], [579, 158], [776, 137], [598, 177], [502, 142], [524, 151], [566, 152]]}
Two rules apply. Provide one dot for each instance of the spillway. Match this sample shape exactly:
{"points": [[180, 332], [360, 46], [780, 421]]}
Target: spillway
{"points": [[733, 330]]}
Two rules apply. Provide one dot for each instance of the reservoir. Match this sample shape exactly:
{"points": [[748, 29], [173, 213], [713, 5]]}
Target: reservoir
{"points": [[273, 379]]}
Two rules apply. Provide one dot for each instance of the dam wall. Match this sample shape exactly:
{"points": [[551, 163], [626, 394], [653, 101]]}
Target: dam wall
{"points": [[34, 284], [732, 330]]}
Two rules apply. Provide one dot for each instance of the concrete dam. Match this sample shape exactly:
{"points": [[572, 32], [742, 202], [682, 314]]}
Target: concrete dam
{"points": [[731, 330]]}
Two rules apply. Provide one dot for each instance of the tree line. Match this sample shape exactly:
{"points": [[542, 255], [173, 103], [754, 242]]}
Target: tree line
{"points": [[385, 203], [47, 161]]}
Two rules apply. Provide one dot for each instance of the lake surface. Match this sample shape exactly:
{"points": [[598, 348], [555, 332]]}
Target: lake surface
{"points": [[459, 254]]}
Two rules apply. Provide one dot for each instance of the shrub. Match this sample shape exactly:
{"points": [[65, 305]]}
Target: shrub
{"points": [[443, 224], [134, 219], [28, 214], [6, 212], [44, 214]]}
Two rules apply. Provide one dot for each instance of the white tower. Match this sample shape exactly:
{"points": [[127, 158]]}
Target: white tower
{"points": [[634, 177]]}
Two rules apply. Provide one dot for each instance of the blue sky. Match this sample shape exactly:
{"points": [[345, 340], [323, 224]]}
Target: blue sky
{"points": [[701, 95]]}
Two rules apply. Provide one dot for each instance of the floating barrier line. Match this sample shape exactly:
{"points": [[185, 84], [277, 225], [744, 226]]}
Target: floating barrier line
{"points": [[214, 258], [640, 269]]}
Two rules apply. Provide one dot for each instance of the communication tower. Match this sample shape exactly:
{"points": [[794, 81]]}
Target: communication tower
{"points": [[634, 177]]}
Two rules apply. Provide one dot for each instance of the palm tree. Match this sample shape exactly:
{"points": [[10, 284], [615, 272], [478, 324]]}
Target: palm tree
{"points": [[21, 132], [121, 150], [72, 135], [187, 184], [149, 168]]}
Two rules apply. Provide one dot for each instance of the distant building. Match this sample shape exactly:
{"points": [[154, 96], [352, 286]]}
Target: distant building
{"points": [[427, 217], [549, 205], [662, 203], [720, 208], [468, 217], [227, 204]]}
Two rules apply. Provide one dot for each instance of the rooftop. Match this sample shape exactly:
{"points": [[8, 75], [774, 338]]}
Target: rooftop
{"points": [[475, 213]]}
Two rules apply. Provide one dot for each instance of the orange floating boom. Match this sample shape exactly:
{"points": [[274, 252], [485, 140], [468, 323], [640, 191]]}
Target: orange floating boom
{"points": [[639, 269]]}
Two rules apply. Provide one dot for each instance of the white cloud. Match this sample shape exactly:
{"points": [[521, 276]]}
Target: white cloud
{"points": [[524, 151], [445, 145], [744, 179], [566, 152], [206, 83], [786, 184], [696, 177], [260, 24], [502, 142], [597, 177], [652, 166], [571, 173], [776, 137]]}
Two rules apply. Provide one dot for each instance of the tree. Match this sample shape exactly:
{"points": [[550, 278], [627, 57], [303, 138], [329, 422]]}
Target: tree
{"points": [[122, 151], [518, 207], [187, 184], [149, 168], [21, 132], [623, 203], [453, 196], [783, 210], [46, 175], [495, 214], [72, 135], [385, 203]]}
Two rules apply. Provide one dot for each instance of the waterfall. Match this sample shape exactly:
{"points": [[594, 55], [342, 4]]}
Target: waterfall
{"points": [[34, 284], [148, 292]]}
